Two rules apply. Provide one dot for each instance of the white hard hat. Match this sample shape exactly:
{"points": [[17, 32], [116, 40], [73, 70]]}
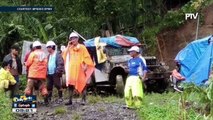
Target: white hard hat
{"points": [[134, 48], [73, 34], [36, 43], [50, 43]]}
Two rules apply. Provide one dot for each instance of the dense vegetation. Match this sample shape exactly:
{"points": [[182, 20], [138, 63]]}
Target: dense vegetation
{"points": [[5, 107], [195, 103], [140, 18]]}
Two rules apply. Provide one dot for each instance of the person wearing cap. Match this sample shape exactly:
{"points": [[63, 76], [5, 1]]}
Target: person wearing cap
{"points": [[55, 70], [78, 67], [37, 63], [133, 91], [15, 66], [7, 81]]}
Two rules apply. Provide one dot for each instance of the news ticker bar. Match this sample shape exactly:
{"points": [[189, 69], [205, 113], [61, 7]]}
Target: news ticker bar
{"points": [[24, 110], [26, 9]]}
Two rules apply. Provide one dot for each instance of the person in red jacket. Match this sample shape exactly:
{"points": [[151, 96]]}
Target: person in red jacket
{"points": [[37, 63]]}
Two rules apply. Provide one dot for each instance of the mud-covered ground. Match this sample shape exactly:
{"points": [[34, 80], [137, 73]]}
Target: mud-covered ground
{"points": [[96, 108]]}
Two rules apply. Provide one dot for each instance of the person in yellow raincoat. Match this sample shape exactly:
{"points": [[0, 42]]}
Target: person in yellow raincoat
{"points": [[78, 67], [7, 81], [133, 91]]}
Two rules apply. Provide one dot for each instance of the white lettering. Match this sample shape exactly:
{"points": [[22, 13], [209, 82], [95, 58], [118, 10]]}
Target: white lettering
{"points": [[195, 15], [191, 16]]}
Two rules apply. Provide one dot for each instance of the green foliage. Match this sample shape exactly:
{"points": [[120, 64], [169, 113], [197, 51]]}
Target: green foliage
{"points": [[143, 19], [23, 82], [160, 106], [8, 32], [5, 107], [171, 20], [149, 36], [105, 99], [200, 99], [94, 99], [113, 99], [76, 116], [172, 106], [60, 110], [193, 115]]}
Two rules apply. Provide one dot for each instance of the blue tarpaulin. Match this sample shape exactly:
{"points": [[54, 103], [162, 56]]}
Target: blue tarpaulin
{"points": [[115, 41], [195, 60]]}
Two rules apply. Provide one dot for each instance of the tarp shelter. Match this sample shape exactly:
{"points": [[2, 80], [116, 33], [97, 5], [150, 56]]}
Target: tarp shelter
{"points": [[96, 49], [196, 60], [116, 41], [100, 49]]}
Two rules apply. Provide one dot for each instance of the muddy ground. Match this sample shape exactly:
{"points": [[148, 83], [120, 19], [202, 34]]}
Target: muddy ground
{"points": [[96, 108]]}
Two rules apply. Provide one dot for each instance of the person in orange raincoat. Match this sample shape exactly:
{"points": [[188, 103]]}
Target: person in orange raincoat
{"points": [[78, 67], [37, 64]]}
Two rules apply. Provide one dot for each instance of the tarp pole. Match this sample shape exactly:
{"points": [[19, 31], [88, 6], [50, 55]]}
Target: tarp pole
{"points": [[197, 29], [79, 35]]}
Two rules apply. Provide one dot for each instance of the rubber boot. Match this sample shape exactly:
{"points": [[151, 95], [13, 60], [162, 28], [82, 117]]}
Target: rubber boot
{"points": [[46, 102], [70, 96], [84, 93], [60, 100], [60, 94], [49, 96]]}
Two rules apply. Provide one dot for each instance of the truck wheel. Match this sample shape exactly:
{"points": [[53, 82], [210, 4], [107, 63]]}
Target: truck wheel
{"points": [[119, 87]]}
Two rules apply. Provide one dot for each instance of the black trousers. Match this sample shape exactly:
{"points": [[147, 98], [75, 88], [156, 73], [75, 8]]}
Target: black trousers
{"points": [[53, 80]]}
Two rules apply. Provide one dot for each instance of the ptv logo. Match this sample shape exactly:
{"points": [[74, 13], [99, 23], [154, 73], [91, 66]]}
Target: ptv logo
{"points": [[191, 16]]}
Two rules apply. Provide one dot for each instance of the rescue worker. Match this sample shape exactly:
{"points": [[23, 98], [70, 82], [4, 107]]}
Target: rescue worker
{"points": [[15, 67], [133, 91], [7, 81], [55, 70], [78, 67], [37, 63]]}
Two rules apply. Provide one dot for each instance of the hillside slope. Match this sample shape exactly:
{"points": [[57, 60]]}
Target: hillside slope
{"points": [[170, 42]]}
